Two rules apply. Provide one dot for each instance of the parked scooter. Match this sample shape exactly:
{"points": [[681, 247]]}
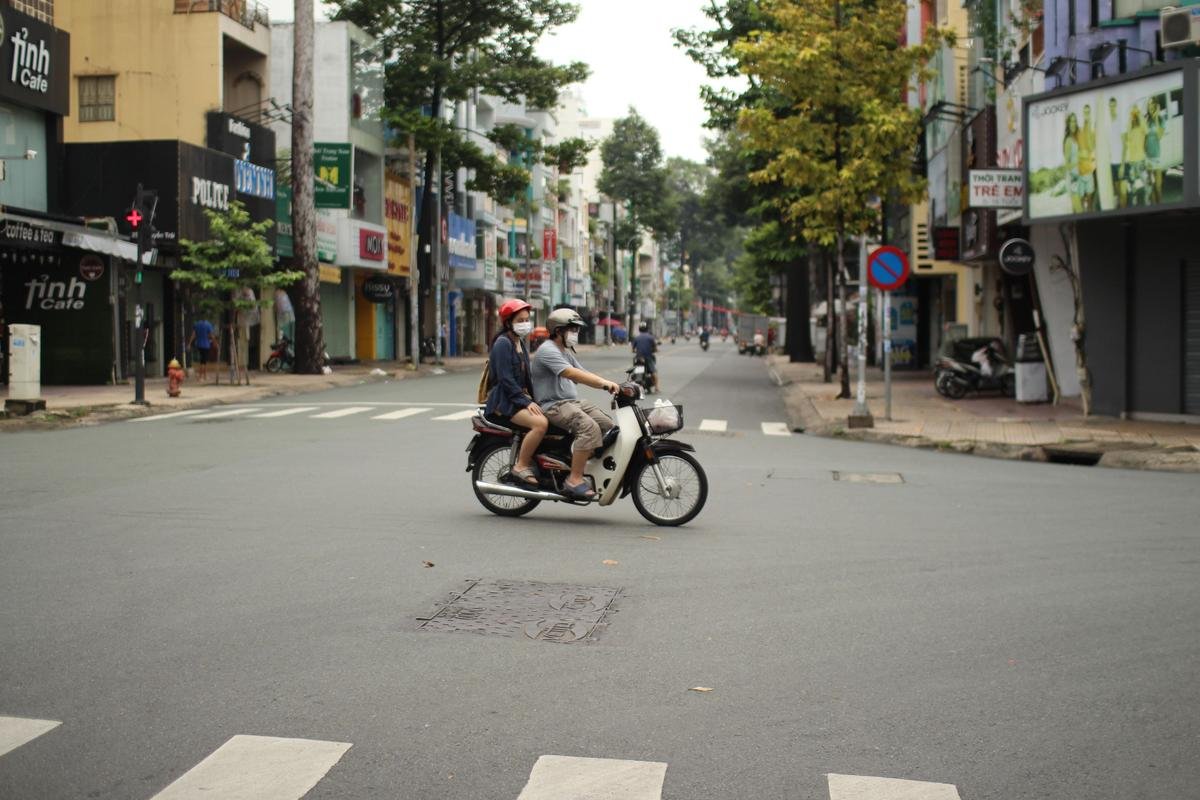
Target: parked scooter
{"points": [[974, 364], [282, 357], [668, 484]]}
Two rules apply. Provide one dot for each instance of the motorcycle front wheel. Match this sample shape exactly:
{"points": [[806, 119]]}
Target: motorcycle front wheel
{"points": [[274, 364], [956, 388], [689, 487], [493, 467]]}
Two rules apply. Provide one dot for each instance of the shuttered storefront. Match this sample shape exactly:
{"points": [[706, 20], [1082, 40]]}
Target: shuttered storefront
{"points": [[1191, 336]]}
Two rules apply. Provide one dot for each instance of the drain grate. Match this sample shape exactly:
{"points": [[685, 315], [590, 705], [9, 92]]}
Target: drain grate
{"points": [[868, 477], [547, 612]]}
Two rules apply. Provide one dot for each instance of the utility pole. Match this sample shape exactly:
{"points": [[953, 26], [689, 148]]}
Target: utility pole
{"points": [[861, 417], [414, 277], [310, 336], [141, 219], [437, 258]]}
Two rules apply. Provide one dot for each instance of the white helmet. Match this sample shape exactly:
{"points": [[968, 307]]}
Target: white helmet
{"points": [[563, 318]]}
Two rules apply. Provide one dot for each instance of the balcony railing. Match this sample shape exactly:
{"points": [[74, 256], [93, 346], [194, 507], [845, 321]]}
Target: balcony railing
{"points": [[248, 12]]}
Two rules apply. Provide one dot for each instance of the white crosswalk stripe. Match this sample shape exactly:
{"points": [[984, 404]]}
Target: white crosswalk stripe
{"points": [[570, 778], [16, 731], [229, 412], [776, 429], [862, 787], [716, 425], [259, 767], [402, 413], [287, 412], [172, 415], [342, 412], [460, 415]]}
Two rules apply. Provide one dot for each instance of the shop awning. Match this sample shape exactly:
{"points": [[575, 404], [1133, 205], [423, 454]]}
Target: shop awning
{"points": [[77, 236]]}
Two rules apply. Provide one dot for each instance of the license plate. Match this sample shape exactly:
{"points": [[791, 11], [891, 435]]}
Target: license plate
{"points": [[639, 370]]}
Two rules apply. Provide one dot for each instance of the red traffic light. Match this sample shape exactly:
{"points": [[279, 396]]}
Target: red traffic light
{"points": [[134, 217]]}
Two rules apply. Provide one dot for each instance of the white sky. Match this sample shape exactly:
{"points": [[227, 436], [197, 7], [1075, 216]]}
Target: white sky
{"points": [[628, 45]]}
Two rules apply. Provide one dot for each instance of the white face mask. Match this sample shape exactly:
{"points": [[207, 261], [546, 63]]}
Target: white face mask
{"points": [[572, 338], [522, 329]]}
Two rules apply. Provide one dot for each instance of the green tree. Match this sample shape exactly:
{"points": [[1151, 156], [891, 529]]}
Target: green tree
{"points": [[778, 245], [236, 256], [845, 137], [439, 51]]}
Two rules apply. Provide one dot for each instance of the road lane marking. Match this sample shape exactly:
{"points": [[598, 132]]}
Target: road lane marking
{"points": [[284, 413], [457, 416], [172, 415], [259, 767], [717, 425], [342, 412], [776, 429], [402, 413], [861, 787], [570, 778], [229, 412], [16, 731]]}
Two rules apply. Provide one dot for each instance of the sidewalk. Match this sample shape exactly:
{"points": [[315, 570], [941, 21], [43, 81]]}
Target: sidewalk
{"points": [[73, 405], [984, 424]]}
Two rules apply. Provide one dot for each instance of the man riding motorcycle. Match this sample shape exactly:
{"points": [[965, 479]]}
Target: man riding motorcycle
{"points": [[555, 372], [645, 347]]}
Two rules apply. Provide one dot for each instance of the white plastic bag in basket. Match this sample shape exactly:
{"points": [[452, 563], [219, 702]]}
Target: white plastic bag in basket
{"points": [[664, 416]]}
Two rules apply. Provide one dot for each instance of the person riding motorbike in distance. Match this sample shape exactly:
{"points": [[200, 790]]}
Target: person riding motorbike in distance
{"points": [[556, 371], [704, 334], [645, 346], [512, 385]]}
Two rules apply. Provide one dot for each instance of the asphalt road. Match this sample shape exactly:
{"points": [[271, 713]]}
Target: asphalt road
{"points": [[1017, 630]]}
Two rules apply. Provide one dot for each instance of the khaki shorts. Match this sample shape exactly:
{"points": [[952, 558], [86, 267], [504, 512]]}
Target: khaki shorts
{"points": [[586, 422]]}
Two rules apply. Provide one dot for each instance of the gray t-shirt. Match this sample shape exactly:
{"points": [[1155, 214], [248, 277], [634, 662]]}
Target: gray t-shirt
{"points": [[549, 388]]}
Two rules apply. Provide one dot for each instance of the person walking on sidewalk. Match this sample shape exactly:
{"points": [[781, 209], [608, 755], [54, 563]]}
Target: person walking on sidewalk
{"points": [[511, 394], [204, 340], [556, 371]]}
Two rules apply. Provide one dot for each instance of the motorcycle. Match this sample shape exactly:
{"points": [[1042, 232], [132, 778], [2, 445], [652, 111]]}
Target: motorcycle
{"points": [[638, 375], [960, 368], [704, 344], [637, 457], [282, 356]]}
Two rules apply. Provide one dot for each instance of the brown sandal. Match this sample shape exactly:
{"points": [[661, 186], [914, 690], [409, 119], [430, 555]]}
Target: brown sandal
{"points": [[526, 476]]}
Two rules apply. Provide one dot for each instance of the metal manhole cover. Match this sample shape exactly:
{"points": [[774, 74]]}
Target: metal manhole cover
{"points": [[548, 612], [868, 477]]}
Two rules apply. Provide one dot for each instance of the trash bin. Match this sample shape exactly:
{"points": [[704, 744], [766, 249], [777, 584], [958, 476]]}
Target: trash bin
{"points": [[1031, 371]]}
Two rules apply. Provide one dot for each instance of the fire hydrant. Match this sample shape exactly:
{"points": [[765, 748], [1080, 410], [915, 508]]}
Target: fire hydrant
{"points": [[174, 377]]}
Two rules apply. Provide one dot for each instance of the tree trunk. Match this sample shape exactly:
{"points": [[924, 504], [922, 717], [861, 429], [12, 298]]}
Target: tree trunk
{"points": [[1069, 235], [428, 225], [799, 337], [843, 340], [310, 333]]}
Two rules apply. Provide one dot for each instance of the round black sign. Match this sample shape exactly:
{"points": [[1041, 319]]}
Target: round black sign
{"points": [[1016, 257], [378, 290], [91, 267]]}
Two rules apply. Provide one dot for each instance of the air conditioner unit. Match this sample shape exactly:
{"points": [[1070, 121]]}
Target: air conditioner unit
{"points": [[1180, 27]]}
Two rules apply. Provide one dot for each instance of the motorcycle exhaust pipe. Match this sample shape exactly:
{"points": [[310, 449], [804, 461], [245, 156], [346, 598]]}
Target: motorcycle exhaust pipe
{"points": [[515, 491]]}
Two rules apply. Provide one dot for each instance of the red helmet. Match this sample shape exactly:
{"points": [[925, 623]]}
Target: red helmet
{"points": [[511, 308]]}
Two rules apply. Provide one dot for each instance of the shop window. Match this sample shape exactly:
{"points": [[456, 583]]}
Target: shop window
{"points": [[98, 98]]}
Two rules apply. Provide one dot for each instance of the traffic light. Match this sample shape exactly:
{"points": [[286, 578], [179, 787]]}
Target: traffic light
{"points": [[141, 218]]}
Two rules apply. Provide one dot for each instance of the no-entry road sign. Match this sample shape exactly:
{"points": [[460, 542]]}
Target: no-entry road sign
{"points": [[887, 268]]}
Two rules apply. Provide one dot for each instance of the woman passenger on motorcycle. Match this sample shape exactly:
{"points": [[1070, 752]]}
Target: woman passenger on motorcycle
{"points": [[512, 390]]}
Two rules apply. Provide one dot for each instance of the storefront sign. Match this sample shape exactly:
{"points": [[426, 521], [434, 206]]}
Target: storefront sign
{"points": [[253, 180], [1113, 147], [242, 139], [329, 274], [996, 188], [327, 237], [91, 268], [978, 239], [378, 289], [462, 243], [508, 281], [283, 221], [1016, 257], [397, 209], [332, 173], [371, 245], [75, 316], [34, 62], [550, 244], [26, 234], [945, 243]]}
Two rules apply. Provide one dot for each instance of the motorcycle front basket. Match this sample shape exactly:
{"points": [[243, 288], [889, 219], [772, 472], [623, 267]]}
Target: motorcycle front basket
{"points": [[665, 418]]}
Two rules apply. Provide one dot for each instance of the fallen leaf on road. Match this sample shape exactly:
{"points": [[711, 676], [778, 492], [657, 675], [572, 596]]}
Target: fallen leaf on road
{"points": [[700, 689], [427, 563], [652, 538], [608, 562]]}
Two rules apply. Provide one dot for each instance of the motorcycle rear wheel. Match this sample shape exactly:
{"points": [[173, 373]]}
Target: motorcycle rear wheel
{"points": [[493, 467], [665, 511], [956, 389], [274, 364]]}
